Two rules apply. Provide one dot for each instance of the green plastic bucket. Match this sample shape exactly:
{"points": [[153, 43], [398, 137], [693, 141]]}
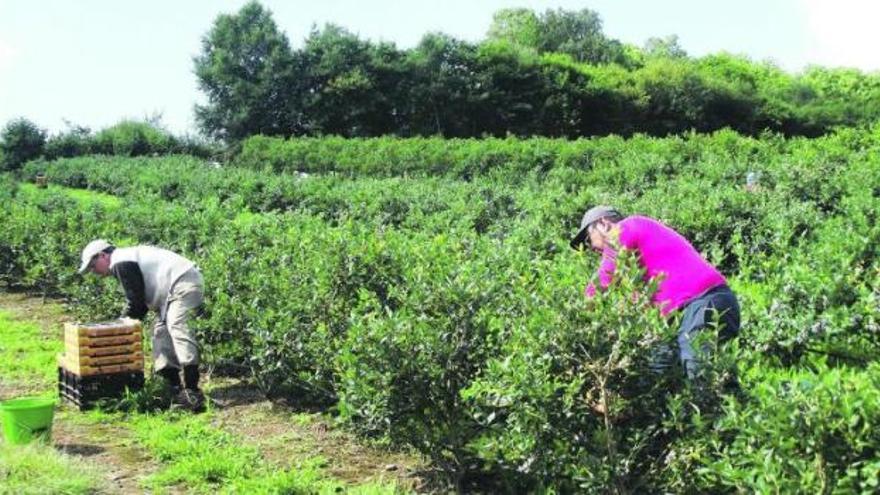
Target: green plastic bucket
{"points": [[27, 419]]}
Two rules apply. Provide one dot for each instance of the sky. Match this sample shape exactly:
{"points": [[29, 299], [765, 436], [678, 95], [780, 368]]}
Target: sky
{"points": [[96, 62]]}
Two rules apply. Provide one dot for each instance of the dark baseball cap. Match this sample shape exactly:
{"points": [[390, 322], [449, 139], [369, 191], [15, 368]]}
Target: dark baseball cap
{"points": [[592, 215]]}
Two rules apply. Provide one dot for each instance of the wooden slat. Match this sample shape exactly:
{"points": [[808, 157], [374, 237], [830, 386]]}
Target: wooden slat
{"points": [[85, 341], [102, 329], [104, 360], [85, 370], [108, 350]]}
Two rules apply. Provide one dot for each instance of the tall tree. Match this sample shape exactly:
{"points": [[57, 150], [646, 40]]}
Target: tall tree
{"points": [[444, 88], [246, 69], [677, 94], [667, 47], [575, 33], [578, 34], [519, 26], [512, 90], [21, 140], [350, 84]]}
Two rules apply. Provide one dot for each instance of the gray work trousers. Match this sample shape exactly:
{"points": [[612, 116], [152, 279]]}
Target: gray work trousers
{"points": [[174, 344]]}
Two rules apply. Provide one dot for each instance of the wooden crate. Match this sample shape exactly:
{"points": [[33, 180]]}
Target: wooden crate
{"points": [[101, 348], [85, 391]]}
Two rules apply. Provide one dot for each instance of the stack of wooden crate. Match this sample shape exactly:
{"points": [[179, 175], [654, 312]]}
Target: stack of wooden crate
{"points": [[100, 360]]}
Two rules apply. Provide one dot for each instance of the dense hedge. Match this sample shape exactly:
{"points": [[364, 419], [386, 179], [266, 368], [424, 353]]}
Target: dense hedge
{"points": [[513, 157], [447, 315], [22, 140]]}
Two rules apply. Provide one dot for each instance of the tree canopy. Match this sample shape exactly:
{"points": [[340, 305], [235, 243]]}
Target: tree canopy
{"points": [[554, 74]]}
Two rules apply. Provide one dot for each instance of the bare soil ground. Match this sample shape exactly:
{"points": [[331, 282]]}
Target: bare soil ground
{"points": [[286, 437]]}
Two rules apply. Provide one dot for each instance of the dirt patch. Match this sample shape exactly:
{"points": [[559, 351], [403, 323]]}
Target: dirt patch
{"points": [[286, 438], [108, 446], [49, 314], [12, 390]]}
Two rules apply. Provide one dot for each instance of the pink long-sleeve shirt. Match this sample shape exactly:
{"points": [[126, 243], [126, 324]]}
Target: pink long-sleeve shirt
{"points": [[662, 252]]}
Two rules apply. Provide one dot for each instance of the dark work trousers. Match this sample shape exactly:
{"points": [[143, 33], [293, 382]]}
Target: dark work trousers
{"points": [[716, 309]]}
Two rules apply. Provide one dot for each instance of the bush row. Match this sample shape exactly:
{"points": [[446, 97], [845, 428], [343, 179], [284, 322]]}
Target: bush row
{"points": [[465, 347], [512, 158], [22, 140]]}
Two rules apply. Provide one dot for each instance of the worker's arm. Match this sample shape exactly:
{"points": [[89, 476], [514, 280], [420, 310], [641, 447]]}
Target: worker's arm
{"points": [[132, 280], [626, 236], [605, 272]]}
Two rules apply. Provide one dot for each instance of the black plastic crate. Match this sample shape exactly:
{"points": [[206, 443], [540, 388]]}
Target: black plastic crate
{"points": [[85, 391]]}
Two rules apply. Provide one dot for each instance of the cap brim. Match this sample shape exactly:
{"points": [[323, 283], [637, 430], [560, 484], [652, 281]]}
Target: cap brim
{"points": [[578, 241], [84, 267]]}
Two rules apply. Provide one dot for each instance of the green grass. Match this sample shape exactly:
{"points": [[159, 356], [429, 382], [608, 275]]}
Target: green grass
{"points": [[85, 197], [27, 361], [40, 469], [26, 356], [205, 459]]}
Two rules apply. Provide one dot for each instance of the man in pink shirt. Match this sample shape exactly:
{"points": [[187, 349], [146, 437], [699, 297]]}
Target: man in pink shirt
{"points": [[687, 281]]}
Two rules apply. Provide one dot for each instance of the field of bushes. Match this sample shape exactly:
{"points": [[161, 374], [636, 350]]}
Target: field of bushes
{"points": [[424, 290]]}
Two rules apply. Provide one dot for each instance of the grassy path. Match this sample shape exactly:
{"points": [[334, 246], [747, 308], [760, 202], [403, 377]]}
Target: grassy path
{"points": [[83, 460], [244, 444]]}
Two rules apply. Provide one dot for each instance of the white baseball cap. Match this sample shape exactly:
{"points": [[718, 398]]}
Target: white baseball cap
{"points": [[91, 250]]}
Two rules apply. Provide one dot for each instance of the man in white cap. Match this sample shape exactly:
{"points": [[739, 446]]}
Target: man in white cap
{"points": [[172, 286]]}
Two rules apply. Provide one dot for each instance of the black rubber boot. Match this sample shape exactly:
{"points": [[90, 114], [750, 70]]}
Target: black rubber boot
{"points": [[190, 397], [172, 378], [192, 400], [191, 376]]}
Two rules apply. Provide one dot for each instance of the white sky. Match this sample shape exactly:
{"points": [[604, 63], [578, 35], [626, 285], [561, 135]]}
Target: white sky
{"points": [[94, 62]]}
